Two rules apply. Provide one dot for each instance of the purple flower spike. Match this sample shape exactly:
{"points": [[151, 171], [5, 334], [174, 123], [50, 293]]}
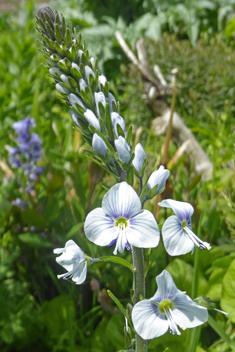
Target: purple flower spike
{"points": [[177, 233]]}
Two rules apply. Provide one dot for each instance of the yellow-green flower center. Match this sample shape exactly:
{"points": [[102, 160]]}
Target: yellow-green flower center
{"points": [[165, 305], [121, 223]]}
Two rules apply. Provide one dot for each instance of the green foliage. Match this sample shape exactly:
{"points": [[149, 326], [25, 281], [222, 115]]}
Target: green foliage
{"points": [[41, 313]]}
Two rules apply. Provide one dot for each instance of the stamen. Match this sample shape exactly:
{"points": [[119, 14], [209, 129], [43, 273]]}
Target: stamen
{"points": [[171, 323], [196, 240]]}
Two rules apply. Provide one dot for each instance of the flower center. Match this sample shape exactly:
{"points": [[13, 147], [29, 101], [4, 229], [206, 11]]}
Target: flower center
{"points": [[121, 223], [164, 305]]}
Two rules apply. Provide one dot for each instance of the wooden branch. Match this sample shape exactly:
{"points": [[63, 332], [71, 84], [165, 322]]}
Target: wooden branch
{"points": [[155, 93], [182, 134]]}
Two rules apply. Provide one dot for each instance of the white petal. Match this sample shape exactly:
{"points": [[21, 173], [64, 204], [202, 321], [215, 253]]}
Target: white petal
{"points": [[176, 242], [182, 210], [148, 323], [187, 313], [58, 250], [100, 228], [74, 250], [80, 276], [121, 201], [143, 231], [166, 287]]}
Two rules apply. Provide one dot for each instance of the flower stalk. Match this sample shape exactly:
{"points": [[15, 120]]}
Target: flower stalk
{"points": [[139, 290]]}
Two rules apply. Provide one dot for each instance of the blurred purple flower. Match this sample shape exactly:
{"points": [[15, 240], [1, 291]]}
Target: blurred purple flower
{"points": [[27, 153]]}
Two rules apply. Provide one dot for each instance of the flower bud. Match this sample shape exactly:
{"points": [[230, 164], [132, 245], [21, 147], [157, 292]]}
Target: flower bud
{"points": [[123, 150], [102, 79], [99, 145], [99, 97], [92, 119], [117, 119], [73, 99], [139, 158], [159, 178]]}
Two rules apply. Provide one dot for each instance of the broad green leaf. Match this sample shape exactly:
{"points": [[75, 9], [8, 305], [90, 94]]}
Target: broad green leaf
{"points": [[228, 292], [182, 274], [35, 240], [32, 217]]}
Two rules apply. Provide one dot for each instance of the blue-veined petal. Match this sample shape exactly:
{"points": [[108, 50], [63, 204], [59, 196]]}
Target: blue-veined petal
{"points": [[187, 314], [80, 276], [99, 228], [176, 242], [121, 200], [182, 210], [166, 287], [143, 231], [148, 321]]}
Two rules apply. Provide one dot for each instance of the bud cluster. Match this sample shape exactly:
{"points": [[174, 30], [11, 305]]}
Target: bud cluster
{"points": [[94, 109]]}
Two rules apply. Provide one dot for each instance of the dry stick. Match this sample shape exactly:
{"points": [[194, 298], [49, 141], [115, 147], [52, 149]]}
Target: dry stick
{"points": [[145, 72], [202, 163], [169, 129]]}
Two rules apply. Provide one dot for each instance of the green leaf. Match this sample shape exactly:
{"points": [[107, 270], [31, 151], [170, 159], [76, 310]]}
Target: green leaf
{"points": [[228, 292], [182, 274], [35, 240], [118, 303], [32, 217], [118, 261]]}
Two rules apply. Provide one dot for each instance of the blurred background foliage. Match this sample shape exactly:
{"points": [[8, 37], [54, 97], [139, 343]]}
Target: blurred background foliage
{"points": [[37, 311]]}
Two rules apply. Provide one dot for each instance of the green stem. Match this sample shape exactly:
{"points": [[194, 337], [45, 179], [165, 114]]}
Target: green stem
{"points": [[215, 326], [139, 289]]}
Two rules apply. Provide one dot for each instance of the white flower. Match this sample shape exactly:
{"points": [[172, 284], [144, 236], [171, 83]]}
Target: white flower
{"points": [[159, 178], [92, 119], [139, 157], [99, 145], [123, 150], [168, 308], [177, 233], [121, 221], [73, 260]]}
